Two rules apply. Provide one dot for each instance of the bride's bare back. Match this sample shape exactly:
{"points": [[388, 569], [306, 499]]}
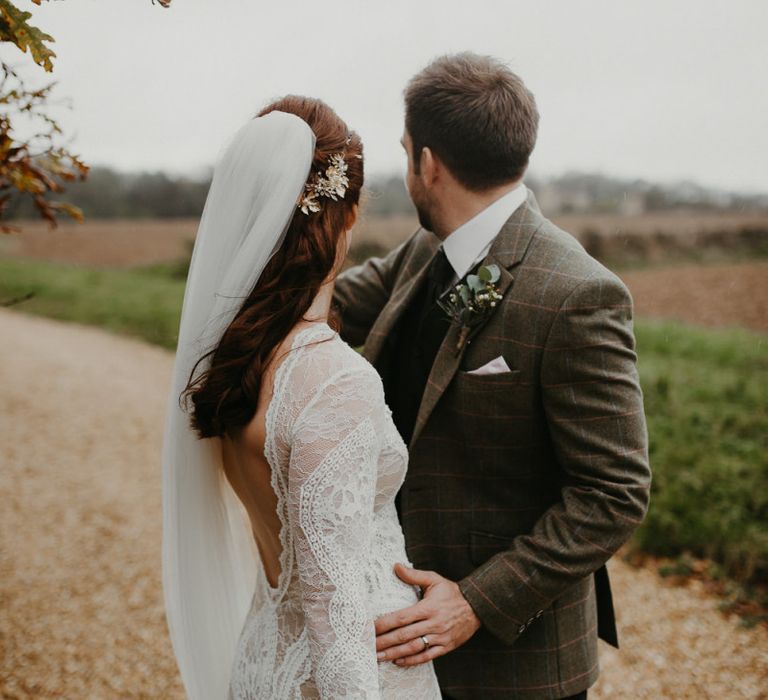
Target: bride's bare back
{"points": [[248, 470], [317, 469]]}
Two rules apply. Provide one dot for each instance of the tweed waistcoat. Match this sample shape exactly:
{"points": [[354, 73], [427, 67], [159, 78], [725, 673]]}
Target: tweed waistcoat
{"points": [[415, 342]]}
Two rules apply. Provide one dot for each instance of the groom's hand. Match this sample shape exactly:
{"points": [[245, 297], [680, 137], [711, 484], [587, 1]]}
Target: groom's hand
{"points": [[443, 615]]}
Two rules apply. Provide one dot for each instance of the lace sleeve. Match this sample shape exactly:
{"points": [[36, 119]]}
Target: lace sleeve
{"points": [[332, 484]]}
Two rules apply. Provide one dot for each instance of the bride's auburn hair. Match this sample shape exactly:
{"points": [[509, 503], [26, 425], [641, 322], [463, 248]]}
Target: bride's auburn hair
{"points": [[224, 397]]}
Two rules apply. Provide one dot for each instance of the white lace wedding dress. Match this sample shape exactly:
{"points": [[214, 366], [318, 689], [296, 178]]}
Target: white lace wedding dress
{"points": [[337, 462]]}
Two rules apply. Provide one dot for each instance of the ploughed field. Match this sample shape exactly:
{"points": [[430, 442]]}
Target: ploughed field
{"points": [[709, 269], [713, 294]]}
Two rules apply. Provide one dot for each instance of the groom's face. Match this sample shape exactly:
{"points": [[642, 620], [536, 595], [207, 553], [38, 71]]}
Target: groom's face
{"points": [[414, 184]]}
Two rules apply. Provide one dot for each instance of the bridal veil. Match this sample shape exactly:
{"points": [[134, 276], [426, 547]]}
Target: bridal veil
{"points": [[211, 565]]}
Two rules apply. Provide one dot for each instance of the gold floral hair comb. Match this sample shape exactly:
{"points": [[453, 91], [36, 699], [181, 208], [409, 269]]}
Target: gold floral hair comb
{"points": [[332, 183]]}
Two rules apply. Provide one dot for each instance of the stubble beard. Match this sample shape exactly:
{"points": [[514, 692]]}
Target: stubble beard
{"points": [[424, 220]]}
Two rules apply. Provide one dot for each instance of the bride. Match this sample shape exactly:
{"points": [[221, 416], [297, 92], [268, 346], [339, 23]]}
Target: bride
{"points": [[280, 458]]}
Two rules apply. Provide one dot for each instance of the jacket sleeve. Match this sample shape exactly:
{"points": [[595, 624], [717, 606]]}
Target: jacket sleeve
{"points": [[331, 490], [362, 291], [594, 411]]}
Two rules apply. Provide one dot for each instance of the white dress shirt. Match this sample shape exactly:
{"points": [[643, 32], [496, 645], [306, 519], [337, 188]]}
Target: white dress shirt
{"points": [[470, 243]]}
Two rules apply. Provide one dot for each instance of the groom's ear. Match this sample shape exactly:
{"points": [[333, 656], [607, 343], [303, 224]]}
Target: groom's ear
{"points": [[430, 166]]}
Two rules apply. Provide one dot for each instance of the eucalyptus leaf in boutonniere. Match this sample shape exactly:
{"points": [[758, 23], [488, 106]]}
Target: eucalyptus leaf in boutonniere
{"points": [[469, 304]]}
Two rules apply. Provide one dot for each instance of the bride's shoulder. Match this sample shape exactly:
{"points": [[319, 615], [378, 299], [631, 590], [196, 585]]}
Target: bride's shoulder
{"points": [[321, 358]]}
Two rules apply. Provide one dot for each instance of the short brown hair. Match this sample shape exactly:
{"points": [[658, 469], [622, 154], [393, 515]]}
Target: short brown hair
{"points": [[476, 115]]}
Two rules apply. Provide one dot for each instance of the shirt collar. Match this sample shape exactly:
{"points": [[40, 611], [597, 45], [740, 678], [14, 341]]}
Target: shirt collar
{"points": [[470, 242]]}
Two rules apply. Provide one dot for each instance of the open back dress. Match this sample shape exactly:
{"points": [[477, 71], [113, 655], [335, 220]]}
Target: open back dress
{"points": [[337, 462]]}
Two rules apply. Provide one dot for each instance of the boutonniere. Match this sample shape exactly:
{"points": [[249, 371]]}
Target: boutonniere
{"points": [[471, 303]]}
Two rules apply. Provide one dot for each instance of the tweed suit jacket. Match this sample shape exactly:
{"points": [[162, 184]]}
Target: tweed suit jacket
{"points": [[520, 485]]}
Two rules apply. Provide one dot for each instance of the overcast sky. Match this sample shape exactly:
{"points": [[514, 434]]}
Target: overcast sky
{"points": [[639, 88]]}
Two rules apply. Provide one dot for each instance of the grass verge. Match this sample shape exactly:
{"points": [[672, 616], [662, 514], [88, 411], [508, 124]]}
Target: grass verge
{"points": [[706, 398], [142, 302]]}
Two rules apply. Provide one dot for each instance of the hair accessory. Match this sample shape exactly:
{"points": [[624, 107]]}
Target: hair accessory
{"points": [[332, 183]]}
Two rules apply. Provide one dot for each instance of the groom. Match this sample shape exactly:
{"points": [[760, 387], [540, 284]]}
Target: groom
{"points": [[528, 446]]}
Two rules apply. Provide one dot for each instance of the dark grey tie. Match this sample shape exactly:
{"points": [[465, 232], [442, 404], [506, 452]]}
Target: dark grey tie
{"points": [[439, 275]]}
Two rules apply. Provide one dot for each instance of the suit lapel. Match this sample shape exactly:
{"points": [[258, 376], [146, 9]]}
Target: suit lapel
{"points": [[506, 251]]}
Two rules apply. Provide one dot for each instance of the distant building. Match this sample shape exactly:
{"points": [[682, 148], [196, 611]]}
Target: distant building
{"points": [[632, 204], [554, 198]]}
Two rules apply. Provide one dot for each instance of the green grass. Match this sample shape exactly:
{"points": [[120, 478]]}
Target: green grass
{"points": [[706, 397], [145, 303]]}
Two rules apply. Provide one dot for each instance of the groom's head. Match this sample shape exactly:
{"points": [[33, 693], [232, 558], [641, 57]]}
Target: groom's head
{"points": [[471, 119]]}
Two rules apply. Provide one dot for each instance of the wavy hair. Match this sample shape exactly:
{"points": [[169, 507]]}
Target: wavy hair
{"points": [[224, 397]]}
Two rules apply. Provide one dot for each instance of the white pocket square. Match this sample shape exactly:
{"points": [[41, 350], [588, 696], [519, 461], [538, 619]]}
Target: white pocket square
{"points": [[496, 366]]}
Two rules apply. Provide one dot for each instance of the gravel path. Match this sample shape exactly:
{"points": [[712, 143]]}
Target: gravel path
{"points": [[81, 614]]}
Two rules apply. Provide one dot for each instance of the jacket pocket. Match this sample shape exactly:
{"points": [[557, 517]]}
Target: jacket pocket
{"points": [[481, 382]]}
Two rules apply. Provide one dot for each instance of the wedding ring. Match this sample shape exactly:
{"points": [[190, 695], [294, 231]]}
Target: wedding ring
{"points": [[426, 641]]}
